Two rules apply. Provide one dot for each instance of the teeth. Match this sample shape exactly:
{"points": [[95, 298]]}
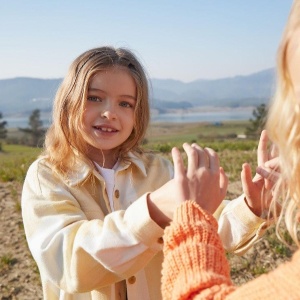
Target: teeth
{"points": [[106, 129]]}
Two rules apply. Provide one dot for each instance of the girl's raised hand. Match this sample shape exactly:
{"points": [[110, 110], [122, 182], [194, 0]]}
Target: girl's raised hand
{"points": [[203, 180], [258, 190]]}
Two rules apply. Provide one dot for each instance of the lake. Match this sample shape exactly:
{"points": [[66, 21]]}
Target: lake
{"points": [[187, 117], [205, 116]]}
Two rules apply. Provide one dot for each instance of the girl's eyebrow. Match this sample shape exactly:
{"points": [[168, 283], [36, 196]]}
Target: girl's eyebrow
{"points": [[91, 89], [95, 89], [129, 96]]}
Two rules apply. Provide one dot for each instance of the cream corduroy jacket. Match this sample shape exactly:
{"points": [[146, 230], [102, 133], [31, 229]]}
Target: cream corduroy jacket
{"points": [[85, 251]]}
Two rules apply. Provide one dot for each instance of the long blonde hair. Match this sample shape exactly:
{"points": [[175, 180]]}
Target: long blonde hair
{"points": [[64, 143], [283, 126]]}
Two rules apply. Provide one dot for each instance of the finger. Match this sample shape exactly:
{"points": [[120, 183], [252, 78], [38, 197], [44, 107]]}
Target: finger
{"points": [[262, 150], [202, 155], [269, 174], [274, 152], [223, 183], [179, 169], [203, 159], [213, 158], [272, 164], [246, 178], [193, 157]]}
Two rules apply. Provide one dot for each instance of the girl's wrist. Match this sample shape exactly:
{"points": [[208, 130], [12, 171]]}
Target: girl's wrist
{"points": [[155, 213], [256, 210]]}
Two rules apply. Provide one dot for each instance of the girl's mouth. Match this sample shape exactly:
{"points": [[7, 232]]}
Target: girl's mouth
{"points": [[105, 129]]}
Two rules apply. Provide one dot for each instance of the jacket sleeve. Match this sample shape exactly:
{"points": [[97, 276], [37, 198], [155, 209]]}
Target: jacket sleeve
{"points": [[239, 227], [195, 265], [77, 254]]}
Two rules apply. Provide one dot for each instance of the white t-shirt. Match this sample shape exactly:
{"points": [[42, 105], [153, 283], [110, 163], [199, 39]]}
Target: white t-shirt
{"points": [[109, 178]]}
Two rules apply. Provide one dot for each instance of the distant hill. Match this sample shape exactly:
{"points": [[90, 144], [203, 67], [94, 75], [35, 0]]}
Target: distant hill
{"points": [[249, 90], [22, 95]]}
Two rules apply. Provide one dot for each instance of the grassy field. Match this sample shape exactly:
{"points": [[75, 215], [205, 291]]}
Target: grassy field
{"points": [[232, 151], [15, 160], [187, 132]]}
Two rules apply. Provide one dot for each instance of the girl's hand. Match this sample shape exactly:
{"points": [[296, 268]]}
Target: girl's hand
{"points": [[203, 181], [258, 190]]}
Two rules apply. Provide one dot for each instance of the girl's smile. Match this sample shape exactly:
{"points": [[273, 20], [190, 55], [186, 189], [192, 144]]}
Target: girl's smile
{"points": [[104, 129]]}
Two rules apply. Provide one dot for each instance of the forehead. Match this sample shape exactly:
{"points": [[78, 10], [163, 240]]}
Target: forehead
{"points": [[115, 81], [115, 74]]}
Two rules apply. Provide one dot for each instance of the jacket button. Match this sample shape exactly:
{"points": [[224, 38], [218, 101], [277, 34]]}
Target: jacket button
{"points": [[117, 193], [132, 279], [160, 240]]}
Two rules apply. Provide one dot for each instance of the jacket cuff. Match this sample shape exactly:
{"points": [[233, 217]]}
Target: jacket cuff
{"points": [[260, 225], [245, 214], [140, 223]]}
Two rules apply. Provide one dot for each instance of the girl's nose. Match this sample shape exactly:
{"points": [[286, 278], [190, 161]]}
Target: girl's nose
{"points": [[109, 113]]}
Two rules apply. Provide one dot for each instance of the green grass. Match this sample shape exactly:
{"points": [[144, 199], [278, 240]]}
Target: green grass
{"points": [[187, 132], [7, 260], [15, 160], [232, 152]]}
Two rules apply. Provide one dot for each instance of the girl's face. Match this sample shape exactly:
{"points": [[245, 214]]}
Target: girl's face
{"points": [[109, 113]]}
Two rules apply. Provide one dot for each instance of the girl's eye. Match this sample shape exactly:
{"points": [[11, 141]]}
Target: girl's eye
{"points": [[126, 104], [94, 99]]}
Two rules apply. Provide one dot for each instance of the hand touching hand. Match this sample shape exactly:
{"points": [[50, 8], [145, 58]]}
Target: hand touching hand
{"points": [[203, 181], [258, 190]]}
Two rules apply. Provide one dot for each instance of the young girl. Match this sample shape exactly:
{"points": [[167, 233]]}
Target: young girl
{"points": [[195, 265], [94, 204]]}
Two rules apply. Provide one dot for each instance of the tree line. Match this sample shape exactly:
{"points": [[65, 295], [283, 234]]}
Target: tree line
{"points": [[35, 132]]}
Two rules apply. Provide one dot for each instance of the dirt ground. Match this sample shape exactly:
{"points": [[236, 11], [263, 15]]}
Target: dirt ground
{"points": [[19, 277]]}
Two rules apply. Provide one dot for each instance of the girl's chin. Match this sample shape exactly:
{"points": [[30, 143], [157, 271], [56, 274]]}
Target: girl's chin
{"points": [[104, 148]]}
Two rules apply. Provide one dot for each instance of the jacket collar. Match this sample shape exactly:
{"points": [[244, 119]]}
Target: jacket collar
{"points": [[81, 170]]}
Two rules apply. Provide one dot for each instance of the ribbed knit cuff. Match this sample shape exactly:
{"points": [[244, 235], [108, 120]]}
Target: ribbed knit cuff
{"points": [[190, 212], [194, 256]]}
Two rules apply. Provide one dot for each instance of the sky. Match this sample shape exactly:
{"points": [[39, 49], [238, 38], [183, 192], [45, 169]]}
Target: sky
{"points": [[183, 40]]}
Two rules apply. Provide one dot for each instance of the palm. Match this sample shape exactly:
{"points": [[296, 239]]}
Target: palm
{"points": [[256, 187]]}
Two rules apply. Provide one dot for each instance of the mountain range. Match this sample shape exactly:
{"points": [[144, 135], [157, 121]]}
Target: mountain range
{"points": [[19, 96]]}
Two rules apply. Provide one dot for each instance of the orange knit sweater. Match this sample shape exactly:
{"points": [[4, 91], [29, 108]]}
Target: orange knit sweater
{"points": [[195, 265]]}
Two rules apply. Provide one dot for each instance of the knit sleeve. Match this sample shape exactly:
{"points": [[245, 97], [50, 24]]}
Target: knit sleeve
{"points": [[195, 265]]}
